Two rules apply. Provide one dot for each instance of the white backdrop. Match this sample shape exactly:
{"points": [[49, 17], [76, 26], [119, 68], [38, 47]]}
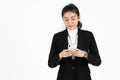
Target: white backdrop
{"points": [[27, 28]]}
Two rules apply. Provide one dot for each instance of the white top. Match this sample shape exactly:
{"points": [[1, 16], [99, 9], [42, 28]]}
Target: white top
{"points": [[72, 39]]}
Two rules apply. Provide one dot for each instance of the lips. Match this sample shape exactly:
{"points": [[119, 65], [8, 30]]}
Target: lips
{"points": [[70, 26]]}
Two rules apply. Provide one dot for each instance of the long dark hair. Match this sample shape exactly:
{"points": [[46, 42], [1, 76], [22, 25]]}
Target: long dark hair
{"points": [[72, 8]]}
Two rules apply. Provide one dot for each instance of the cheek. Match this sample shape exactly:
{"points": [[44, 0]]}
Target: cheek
{"points": [[76, 22], [66, 23]]}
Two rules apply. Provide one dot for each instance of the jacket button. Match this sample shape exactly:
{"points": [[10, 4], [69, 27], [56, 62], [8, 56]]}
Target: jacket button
{"points": [[73, 67]]}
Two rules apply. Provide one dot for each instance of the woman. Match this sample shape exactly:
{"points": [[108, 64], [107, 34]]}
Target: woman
{"points": [[73, 48]]}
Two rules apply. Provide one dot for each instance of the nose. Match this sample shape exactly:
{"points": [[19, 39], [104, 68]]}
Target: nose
{"points": [[70, 22]]}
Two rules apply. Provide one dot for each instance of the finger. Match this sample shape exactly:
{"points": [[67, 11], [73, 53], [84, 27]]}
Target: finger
{"points": [[66, 50], [74, 50], [74, 54], [69, 54], [77, 49]]}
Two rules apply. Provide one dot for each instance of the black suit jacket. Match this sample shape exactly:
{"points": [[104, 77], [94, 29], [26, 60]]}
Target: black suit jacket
{"points": [[74, 69]]}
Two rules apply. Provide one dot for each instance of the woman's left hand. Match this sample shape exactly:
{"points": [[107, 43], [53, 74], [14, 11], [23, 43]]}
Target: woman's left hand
{"points": [[78, 53]]}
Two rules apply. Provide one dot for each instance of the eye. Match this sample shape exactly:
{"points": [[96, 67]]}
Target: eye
{"points": [[73, 19], [66, 19]]}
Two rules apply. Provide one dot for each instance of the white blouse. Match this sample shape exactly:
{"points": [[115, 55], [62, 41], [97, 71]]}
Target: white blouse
{"points": [[72, 39]]}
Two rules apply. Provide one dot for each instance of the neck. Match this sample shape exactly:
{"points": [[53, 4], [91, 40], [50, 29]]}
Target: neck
{"points": [[73, 31]]}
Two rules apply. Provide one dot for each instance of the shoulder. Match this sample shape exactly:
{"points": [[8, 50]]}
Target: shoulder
{"points": [[59, 34], [86, 32]]}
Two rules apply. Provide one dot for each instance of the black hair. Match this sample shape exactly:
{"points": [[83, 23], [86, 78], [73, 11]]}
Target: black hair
{"points": [[72, 8]]}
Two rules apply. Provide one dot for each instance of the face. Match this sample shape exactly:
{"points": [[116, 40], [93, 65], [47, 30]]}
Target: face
{"points": [[70, 20]]}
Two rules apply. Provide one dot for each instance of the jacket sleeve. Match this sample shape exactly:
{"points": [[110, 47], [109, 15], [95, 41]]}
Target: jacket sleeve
{"points": [[93, 53], [53, 60]]}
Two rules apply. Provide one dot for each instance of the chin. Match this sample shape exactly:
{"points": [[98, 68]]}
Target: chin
{"points": [[71, 28]]}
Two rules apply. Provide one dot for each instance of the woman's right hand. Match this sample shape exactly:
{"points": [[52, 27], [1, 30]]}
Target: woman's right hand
{"points": [[65, 53]]}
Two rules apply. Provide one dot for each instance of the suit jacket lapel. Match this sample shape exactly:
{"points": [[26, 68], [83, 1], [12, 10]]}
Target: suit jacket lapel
{"points": [[65, 42], [80, 42], [80, 39], [64, 39]]}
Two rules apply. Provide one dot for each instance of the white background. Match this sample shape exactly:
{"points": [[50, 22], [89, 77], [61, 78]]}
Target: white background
{"points": [[27, 28]]}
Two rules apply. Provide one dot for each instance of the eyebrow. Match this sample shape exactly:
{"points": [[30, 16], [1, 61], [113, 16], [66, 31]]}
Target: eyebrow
{"points": [[71, 17]]}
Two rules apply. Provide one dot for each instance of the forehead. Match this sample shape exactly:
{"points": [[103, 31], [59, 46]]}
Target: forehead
{"points": [[69, 15]]}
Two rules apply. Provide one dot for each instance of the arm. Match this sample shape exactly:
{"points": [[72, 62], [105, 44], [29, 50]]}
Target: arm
{"points": [[93, 54], [53, 60]]}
